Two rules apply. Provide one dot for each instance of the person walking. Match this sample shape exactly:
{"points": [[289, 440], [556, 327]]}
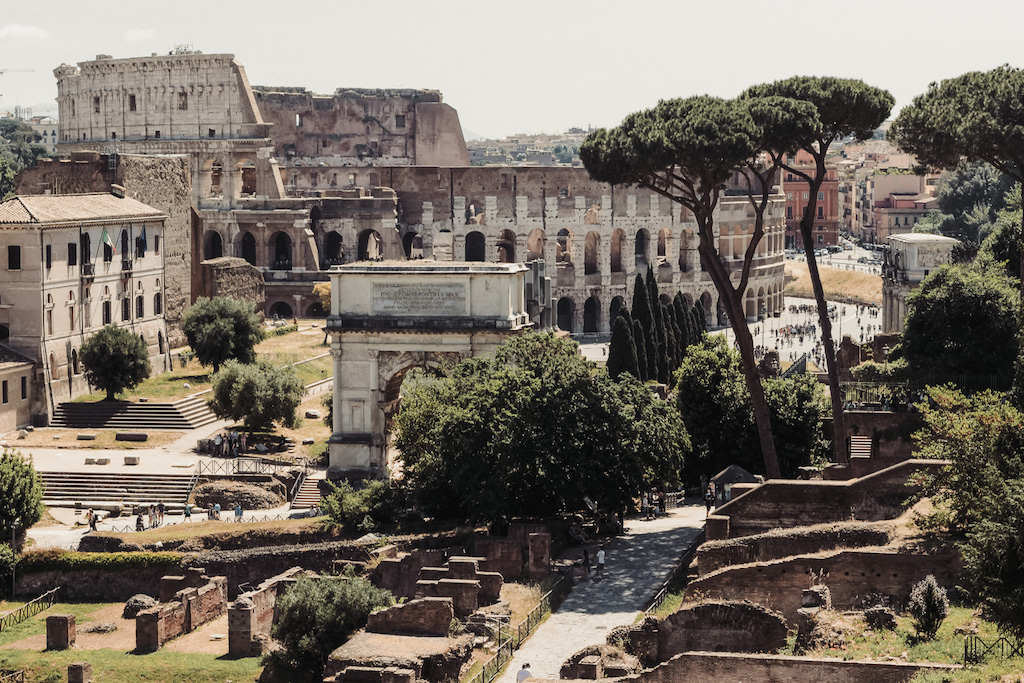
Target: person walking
{"points": [[585, 564], [160, 510], [523, 674], [709, 497], [238, 512], [188, 512], [600, 563]]}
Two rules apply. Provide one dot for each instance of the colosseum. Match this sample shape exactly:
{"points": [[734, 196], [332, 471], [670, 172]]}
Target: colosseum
{"points": [[295, 182]]}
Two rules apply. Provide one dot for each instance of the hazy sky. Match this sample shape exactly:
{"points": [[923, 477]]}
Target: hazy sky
{"points": [[527, 65]]}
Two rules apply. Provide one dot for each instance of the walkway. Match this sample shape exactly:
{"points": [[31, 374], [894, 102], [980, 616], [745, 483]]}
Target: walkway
{"points": [[637, 565]]}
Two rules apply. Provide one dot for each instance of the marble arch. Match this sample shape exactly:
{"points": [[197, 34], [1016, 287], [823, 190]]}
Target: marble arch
{"points": [[399, 315]]}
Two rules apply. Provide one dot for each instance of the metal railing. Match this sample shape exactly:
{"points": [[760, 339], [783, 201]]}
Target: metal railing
{"points": [[243, 466], [976, 648], [510, 638], [673, 580], [7, 676], [29, 609]]}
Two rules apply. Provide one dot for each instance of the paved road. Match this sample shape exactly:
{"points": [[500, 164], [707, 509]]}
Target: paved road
{"points": [[637, 565]]}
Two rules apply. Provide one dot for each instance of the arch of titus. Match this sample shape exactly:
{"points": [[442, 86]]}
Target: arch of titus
{"points": [[389, 317]]}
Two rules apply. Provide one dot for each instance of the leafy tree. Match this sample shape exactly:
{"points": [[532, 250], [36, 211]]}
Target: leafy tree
{"points": [[978, 116], [712, 399], [20, 143], [323, 291], [980, 493], [531, 432], [115, 360], [687, 150], [8, 560], [377, 502], [1003, 242], [222, 328], [317, 617], [843, 108], [21, 492], [7, 175], [962, 320], [259, 393], [622, 350]]}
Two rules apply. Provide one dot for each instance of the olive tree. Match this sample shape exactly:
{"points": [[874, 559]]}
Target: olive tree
{"points": [[115, 359], [222, 328]]}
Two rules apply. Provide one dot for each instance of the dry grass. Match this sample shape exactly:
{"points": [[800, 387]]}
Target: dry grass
{"points": [[847, 285], [521, 598], [67, 438], [220, 529]]}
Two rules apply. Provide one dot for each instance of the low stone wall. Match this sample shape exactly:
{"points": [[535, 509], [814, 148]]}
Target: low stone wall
{"points": [[400, 574], [891, 433], [192, 607], [94, 585], [725, 667], [853, 576], [785, 504], [773, 545], [251, 616], [424, 617]]}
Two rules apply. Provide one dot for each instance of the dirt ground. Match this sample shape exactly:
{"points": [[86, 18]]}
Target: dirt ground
{"points": [[123, 638]]}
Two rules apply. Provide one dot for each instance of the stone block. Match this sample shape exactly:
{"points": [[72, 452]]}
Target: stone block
{"points": [[131, 436], [490, 587], [463, 593], [385, 551], [60, 631], [131, 460], [169, 585], [433, 574], [422, 617], [102, 461], [816, 596], [462, 567], [590, 668], [540, 556], [716, 528], [87, 436], [79, 672]]}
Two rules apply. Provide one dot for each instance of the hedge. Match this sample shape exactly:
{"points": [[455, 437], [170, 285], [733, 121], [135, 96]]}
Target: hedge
{"points": [[278, 331], [65, 560]]}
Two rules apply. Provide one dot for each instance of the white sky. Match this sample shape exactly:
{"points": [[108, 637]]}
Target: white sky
{"points": [[526, 65]]}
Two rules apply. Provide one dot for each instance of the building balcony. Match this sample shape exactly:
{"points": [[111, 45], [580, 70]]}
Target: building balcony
{"points": [[88, 270], [126, 267]]}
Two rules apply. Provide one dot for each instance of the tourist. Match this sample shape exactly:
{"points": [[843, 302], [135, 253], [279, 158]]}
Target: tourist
{"points": [[188, 512], [600, 563], [160, 509], [585, 564], [139, 526], [216, 510], [149, 516], [92, 520], [523, 674], [238, 512]]}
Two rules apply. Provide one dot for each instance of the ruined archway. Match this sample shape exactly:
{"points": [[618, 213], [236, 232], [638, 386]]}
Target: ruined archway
{"points": [[399, 316], [591, 314], [370, 246], [213, 245], [475, 246], [507, 247], [535, 245]]}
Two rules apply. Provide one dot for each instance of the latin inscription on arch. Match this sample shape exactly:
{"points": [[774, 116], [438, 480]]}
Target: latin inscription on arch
{"points": [[417, 298]]}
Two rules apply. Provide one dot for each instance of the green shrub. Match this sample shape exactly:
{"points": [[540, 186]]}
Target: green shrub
{"points": [[7, 560], [316, 617], [928, 607], [278, 331], [65, 560], [377, 502]]}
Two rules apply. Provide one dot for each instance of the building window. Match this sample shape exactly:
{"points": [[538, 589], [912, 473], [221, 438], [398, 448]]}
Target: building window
{"points": [[806, 195], [124, 244], [212, 133], [113, 135], [789, 212], [108, 252], [821, 239], [140, 307], [821, 196], [5, 391], [72, 107], [157, 304], [182, 100], [157, 135], [140, 246], [126, 309], [106, 312], [96, 105], [24, 387], [49, 256], [399, 120], [131, 103], [156, 244], [789, 195], [821, 212], [72, 254]]}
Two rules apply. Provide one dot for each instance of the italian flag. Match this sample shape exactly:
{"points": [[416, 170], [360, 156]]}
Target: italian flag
{"points": [[105, 239]]}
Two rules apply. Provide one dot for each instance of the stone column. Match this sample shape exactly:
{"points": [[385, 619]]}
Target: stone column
{"points": [[60, 631]]}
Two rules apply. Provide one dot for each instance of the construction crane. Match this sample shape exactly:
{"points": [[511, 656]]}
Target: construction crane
{"points": [[11, 71]]}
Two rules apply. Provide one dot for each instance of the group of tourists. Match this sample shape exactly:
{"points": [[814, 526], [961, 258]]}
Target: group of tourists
{"points": [[229, 445], [154, 517]]}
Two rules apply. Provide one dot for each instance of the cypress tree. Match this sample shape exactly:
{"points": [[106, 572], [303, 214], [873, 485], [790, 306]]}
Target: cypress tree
{"points": [[700, 319], [641, 351], [643, 314], [658, 318], [622, 351], [677, 340], [683, 321]]}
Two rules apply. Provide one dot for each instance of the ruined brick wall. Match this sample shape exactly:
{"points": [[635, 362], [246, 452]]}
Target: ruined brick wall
{"points": [[732, 626], [851, 575], [165, 183], [94, 585], [786, 504], [723, 667], [251, 616], [891, 433], [191, 608], [233, 277], [714, 555]]}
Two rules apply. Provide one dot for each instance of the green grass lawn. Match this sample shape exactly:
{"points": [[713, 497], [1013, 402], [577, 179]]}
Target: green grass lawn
{"points": [[123, 667], [115, 665]]}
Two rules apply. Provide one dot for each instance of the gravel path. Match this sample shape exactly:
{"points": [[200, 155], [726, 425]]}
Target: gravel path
{"points": [[637, 564]]}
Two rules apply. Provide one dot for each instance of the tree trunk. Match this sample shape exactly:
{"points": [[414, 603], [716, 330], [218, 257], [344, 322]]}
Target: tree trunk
{"points": [[738, 321], [838, 418]]}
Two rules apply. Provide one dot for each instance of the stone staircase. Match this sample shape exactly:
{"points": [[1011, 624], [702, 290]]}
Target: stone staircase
{"points": [[90, 488], [860, 446], [308, 495], [187, 413]]}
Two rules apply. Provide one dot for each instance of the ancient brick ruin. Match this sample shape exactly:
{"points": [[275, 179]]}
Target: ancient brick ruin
{"points": [[186, 603]]}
